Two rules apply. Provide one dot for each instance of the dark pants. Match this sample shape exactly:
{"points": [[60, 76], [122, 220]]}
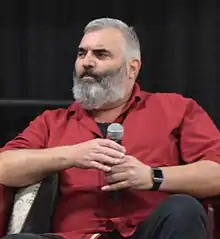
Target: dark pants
{"points": [[178, 217]]}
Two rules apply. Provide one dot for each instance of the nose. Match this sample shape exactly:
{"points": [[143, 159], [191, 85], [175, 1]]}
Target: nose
{"points": [[88, 61]]}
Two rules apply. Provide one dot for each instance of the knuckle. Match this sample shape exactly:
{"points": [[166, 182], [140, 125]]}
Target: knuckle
{"points": [[107, 142], [90, 155], [131, 172], [86, 156], [95, 146], [98, 141], [95, 142]]}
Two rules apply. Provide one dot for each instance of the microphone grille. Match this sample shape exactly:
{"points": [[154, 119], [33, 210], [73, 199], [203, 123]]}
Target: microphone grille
{"points": [[115, 131]]}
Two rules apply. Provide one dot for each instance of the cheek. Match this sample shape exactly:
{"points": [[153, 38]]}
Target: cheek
{"points": [[77, 64], [78, 68]]}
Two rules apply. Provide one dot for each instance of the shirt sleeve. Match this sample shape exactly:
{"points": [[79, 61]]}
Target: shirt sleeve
{"points": [[199, 137], [35, 136]]}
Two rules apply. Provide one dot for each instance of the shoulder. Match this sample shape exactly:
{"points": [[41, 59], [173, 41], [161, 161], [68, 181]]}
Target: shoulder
{"points": [[170, 100], [54, 115], [173, 104], [168, 97]]}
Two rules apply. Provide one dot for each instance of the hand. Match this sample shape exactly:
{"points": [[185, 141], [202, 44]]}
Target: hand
{"points": [[130, 174], [98, 154]]}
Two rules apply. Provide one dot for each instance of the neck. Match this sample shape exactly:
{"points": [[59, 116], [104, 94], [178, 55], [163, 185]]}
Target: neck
{"points": [[110, 114]]}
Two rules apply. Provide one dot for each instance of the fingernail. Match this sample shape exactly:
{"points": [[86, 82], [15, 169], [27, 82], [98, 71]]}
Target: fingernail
{"points": [[122, 155], [104, 188], [108, 169]]}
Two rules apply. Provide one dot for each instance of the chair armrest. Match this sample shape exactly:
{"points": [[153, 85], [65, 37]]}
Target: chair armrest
{"points": [[22, 209], [212, 207], [24, 198], [6, 203], [215, 201]]}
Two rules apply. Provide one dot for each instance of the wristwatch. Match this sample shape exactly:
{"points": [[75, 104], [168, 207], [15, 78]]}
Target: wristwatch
{"points": [[157, 177]]}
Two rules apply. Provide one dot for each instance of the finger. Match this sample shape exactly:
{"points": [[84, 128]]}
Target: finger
{"points": [[117, 177], [112, 144], [111, 152], [120, 168], [103, 159], [99, 166], [116, 186]]}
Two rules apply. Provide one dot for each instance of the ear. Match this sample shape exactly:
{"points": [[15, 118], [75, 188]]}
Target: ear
{"points": [[134, 66]]}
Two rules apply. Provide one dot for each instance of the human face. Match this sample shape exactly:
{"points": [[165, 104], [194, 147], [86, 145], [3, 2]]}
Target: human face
{"points": [[100, 69]]}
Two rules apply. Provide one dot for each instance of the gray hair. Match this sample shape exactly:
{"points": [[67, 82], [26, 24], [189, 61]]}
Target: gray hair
{"points": [[132, 49]]}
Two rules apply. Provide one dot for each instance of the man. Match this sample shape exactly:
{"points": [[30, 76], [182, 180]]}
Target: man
{"points": [[169, 154]]}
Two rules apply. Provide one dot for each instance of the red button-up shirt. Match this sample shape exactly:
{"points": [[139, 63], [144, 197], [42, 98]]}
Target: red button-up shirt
{"points": [[156, 126]]}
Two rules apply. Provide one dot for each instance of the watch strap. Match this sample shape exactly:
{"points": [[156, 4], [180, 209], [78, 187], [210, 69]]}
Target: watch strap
{"points": [[157, 177]]}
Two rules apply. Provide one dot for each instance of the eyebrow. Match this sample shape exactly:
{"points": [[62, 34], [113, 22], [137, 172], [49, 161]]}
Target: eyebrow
{"points": [[96, 49]]}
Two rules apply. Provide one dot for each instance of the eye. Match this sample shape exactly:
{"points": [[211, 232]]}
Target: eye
{"points": [[81, 53], [101, 54]]}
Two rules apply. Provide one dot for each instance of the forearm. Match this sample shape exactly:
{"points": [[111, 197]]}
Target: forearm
{"points": [[200, 179], [26, 166]]}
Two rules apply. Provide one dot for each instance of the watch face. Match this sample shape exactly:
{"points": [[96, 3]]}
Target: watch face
{"points": [[158, 175]]}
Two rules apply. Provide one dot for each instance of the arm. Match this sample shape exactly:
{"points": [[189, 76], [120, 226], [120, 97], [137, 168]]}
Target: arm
{"points": [[26, 159], [200, 149], [18, 155], [200, 179], [199, 176], [22, 167]]}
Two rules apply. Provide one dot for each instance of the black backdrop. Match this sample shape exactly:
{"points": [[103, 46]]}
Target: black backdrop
{"points": [[38, 40]]}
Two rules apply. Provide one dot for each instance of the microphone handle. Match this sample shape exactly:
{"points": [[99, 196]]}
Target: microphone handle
{"points": [[115, 195]]}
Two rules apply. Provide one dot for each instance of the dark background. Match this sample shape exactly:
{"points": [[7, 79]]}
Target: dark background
{"points": [[38, 40]]}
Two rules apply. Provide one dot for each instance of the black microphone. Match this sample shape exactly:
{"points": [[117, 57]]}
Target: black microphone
{"points": [[115, 132]]}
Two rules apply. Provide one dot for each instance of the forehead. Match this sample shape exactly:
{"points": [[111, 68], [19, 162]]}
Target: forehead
{"points": [[109, 38]]}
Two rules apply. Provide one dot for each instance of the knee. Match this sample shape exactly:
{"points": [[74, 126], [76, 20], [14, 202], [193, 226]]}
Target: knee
{"points": [[20, 236], [12, 236], [181, 205]]}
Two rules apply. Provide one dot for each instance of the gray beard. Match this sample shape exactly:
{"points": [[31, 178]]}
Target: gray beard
{"points": [[93, 93]]}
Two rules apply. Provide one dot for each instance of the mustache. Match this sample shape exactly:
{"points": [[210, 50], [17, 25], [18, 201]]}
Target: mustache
{"points": [[98, 76], [89, 73], [92, 73]]}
